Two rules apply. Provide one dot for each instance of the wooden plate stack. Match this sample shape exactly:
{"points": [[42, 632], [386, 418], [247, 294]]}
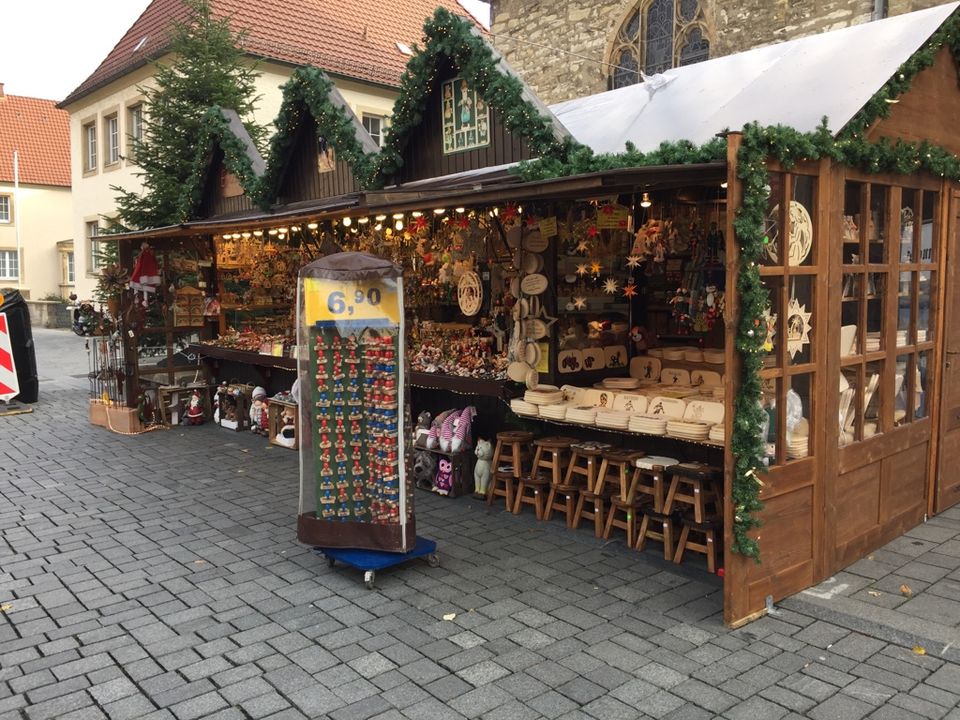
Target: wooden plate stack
{"points": [[717, 433], [627, 383], [613, 419], [522, 407], [713, 356], [693, 355], [650, 424], [798, 446], [544, 395], [674, 353], [557, 411], [688, 429], [583, 414]]}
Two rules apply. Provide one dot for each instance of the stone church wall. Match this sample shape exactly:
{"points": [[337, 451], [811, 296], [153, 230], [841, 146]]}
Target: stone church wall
{"points": [[532, 33]]}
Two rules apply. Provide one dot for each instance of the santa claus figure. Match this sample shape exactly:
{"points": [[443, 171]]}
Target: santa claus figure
{"points": [[146, 272], [258, 412], [195, 409]]}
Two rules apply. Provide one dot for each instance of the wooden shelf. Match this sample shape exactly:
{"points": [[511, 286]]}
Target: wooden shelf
{"points": [[248, 357], [455, 383]]}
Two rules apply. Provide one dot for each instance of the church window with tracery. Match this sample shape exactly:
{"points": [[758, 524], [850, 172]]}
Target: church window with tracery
{"points": [[656, 36]]}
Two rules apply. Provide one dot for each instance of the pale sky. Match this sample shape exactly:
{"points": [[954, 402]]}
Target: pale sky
{"points": [[49, 47]]}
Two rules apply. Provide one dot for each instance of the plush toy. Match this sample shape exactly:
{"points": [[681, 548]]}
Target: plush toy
{"points": [[444, 481], [258, 411], [424, 468], [481, 471], [462, 438], [287, 435], [448, 429], [422, 430], [433, 437]]}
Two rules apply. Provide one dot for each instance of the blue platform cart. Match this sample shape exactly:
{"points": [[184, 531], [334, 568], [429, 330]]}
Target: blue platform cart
{"points": [[372, 560]]}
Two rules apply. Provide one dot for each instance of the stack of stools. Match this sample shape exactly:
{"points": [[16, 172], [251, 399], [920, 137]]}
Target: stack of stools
{"points": [[698, 486], [582, 473], [511, 447], [618, 479], [651, 474], [550, 456]]}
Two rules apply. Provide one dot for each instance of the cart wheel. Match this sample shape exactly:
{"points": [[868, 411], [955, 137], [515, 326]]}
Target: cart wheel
{"points": [[433, 560], [368, 579], [331, 562]]}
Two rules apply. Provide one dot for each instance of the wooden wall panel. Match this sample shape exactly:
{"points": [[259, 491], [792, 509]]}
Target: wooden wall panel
{"points": [[423, 156], [858, 510], [929, 110], [948, 489], [301, 179], [214, 204]]}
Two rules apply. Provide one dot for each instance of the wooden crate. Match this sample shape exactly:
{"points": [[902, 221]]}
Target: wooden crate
{"points": [[173, 401], [118, 418], [188, 307], [275, 424]]}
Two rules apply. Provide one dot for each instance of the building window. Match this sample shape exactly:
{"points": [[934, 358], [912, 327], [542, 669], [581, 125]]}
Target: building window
{"points": [[374, 126], [135, 129], [9, 265], [90, 147], [656, 36], [112, 140], [5, 213], [97, 259], [71, 269]]}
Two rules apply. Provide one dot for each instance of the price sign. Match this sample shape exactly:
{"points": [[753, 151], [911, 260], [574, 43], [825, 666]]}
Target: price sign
{"points": [[350, 300], [548, 227]]}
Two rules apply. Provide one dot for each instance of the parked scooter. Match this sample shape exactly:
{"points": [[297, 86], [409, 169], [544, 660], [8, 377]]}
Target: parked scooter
{"points": [[86, 319]]}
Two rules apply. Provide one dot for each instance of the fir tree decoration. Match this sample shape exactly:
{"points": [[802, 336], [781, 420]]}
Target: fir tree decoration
{"points": [[207, 69]]}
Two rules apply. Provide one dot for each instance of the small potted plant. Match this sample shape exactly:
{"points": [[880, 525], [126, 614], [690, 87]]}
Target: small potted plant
{"points": [[111, 283]]}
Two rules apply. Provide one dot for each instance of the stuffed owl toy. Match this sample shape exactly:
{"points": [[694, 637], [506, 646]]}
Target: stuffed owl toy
{"points": [[444, 480]]}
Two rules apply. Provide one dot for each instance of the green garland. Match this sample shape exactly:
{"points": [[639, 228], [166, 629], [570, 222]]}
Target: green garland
{"points": [[583, 160], [214, 127], [309, 90], [448, 35]]}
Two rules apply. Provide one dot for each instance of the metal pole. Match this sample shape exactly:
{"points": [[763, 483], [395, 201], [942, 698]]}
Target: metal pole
{"points": [[16, 214]]}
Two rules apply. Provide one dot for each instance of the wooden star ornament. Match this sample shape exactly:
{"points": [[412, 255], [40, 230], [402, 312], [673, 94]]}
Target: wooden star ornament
{"points": [[610, 286]]}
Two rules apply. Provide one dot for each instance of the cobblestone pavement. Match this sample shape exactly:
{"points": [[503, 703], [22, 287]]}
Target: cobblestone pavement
{"points": [[159, 577]]}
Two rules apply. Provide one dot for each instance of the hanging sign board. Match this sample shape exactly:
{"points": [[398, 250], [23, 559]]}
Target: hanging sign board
{"points": [[612, 217], [465, 116], [548, 227]]}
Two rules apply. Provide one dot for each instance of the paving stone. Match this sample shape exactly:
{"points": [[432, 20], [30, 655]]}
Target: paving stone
{"points": [[551, 704], [946, 678], [480, 700], [841, 707]]}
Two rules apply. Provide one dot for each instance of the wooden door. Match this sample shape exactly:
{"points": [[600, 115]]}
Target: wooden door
{"points": [[947, 491]]}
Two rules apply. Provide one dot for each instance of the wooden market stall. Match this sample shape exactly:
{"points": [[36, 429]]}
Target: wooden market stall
{"points": [[826, 244]]}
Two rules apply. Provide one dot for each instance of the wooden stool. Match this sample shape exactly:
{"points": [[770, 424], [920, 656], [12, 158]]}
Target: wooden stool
{"points": [[658, 526], [620, 464], [510, 446], [550, 457], [707, 545], [695, 484], [582, 474], [650, 478]]}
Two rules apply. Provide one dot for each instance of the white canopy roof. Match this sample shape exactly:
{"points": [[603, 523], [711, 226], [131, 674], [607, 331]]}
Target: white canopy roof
{"points": [[793, 83]]}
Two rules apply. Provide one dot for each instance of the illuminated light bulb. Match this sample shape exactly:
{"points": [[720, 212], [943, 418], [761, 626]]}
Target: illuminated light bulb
{"points": [[312, 226], [399, 225], [294, 228], [282, 231], [398, 216], [645, 203], [378, 227], [724, 184], [245, 235], [415, 213], [438, 211], [258, 233], [496, 211], [381, 218], [363, 220], [347, 222], [272, 231], [461, 210], [519, 209]]}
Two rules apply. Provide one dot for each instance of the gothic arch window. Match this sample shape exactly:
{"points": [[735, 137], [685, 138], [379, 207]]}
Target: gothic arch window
{"points": [[657, 35]]}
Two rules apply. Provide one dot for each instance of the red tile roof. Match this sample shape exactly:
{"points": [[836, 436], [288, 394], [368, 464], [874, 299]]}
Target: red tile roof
{"points": [[353, 38], [41, 135]]}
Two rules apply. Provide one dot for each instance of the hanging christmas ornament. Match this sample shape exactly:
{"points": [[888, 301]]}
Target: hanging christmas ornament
{"points": [[582, 269], [610, 286], [630, 290], [798, 327], [509, 213], [583, 247], [579, 303], [595, 267], [633, 261], [419, 224]]}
